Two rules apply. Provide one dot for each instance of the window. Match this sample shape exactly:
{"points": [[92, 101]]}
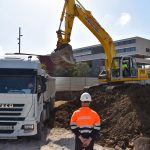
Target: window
{"points": [[116, 67], [17, 84], [81, 50], [125, 42], [97, 50], [123, 50], [147, 49]]}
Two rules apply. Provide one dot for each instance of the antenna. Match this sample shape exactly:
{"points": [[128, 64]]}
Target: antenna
{"points": [[19, 38]]}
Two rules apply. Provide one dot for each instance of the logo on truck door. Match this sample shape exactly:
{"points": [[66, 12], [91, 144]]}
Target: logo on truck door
{"points": [[6, 106]]}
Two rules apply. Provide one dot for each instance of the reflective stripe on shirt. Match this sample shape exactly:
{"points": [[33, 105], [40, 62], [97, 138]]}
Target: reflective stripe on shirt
{"points": [[84, 118], [97, 124], [85, 126], [85, 131], [97, 127], [73, 125]]}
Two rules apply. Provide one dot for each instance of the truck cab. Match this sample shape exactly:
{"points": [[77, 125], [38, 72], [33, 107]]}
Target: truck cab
{"points": [[27, 95]]}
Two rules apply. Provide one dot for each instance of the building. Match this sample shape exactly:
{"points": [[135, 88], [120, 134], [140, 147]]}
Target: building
{"points": [[137, 47]]}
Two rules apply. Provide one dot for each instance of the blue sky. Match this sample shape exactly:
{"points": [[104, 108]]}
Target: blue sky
{"points": [[39, 20]]}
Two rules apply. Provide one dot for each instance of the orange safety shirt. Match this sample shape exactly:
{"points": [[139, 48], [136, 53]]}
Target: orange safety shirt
{"points": [[85, 121]]}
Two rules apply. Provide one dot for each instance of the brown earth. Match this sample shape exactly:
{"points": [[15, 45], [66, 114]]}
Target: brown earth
{"points": [[125, 113]]}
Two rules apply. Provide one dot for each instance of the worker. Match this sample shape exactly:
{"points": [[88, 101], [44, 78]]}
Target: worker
{"points": [[125, 70], [85, 124]]}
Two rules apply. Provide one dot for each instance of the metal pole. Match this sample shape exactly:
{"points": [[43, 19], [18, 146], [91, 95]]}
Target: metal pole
{"points": [[19, 38]]}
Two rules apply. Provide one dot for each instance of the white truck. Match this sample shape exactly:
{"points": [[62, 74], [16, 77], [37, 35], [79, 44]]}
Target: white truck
{"points": [[27, 95]]}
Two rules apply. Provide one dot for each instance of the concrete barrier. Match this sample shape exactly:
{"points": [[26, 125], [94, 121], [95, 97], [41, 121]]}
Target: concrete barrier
{"points": [[74, 83]]}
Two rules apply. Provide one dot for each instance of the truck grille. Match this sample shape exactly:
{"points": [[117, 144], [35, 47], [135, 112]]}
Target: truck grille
{"points": [[10, 114], [11, 109], [9, 117]]}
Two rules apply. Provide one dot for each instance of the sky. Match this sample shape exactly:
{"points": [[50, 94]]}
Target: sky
{"points": [[39, 20]]}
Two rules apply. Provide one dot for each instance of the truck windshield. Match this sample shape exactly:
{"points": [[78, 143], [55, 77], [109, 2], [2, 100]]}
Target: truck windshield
{"points": [[17, 84]]}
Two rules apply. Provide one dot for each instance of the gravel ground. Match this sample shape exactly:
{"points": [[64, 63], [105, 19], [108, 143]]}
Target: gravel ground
{"points": [[57, 139]]}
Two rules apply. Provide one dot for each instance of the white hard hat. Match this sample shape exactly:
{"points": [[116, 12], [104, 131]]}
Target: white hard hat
{"points": [[86, 97]]}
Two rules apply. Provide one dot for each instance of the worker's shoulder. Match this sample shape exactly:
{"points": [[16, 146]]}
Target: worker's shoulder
{"points": [[94, 112], [77, 111]]}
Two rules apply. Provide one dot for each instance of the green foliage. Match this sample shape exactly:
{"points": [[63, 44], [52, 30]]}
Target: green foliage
{"points": [[43, 66], [81, 69], [62, 72]]}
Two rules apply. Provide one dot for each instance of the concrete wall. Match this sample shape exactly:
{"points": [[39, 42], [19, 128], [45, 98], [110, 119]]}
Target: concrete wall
{"points": [[79, 83], [74, 83]]}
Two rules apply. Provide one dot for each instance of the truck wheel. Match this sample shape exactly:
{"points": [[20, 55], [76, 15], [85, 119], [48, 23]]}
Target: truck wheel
{"points": [[51, 119], [50, 115], [41, 131]]}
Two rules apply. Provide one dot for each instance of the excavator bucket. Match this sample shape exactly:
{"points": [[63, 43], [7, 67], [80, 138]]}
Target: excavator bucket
{"points": [[63, 56]]}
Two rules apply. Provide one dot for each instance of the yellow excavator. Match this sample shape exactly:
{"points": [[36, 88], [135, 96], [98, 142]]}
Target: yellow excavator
{"points": [[117, 69]]}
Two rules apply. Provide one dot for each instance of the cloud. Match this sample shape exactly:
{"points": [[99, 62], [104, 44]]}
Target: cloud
{"points": [[124, 19]]}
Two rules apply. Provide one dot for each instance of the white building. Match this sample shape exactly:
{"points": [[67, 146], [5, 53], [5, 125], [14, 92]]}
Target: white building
{"points": [[136, 47]]}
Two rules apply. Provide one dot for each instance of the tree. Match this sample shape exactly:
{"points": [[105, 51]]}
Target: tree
{"points": [[59, 72], [43, 66], [81, 69]]}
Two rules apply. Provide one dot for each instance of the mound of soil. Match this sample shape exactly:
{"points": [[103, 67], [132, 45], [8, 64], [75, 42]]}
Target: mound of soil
{"points": [[124, 112]]}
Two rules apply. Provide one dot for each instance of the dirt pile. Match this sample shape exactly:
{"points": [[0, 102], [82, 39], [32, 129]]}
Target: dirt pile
{"points": [[125, 112]]}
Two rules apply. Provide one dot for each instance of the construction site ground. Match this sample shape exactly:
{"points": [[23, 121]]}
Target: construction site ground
{"points": [[124, 111], [57, 139]]}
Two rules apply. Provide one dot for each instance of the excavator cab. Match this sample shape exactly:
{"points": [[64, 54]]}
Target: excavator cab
{"points": [[63, 56], [125, 69]]}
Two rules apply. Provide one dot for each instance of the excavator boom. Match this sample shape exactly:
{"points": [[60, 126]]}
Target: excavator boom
{"points": [[63, 54]]}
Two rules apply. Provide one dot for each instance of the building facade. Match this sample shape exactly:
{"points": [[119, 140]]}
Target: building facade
{"points": [[94, 55]]}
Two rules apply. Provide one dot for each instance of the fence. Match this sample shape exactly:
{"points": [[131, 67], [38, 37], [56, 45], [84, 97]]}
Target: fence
{"points": [[74, 83]]}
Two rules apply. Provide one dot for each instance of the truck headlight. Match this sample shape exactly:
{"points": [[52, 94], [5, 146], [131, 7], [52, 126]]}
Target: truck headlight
{"points": [[28, 127]]}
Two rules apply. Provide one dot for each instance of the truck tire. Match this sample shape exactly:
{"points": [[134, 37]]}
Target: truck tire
{"points": [[41, 131], [50, 115], [51, 119]]}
